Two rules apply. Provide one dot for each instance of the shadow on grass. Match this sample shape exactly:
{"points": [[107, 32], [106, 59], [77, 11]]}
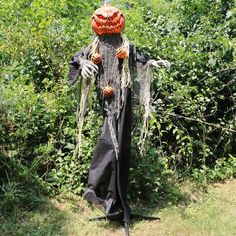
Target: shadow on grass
{"points": [[27, 213], [152, 203], [45, 220], [23, 209]]}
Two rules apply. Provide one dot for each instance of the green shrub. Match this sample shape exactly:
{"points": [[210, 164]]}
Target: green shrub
{"points": [[192, 130]]}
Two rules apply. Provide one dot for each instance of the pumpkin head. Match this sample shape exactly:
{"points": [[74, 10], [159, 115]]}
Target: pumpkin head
{"points": [[108, 20]]}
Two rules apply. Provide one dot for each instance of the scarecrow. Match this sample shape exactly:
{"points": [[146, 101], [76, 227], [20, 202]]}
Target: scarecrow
{"points": [[119, 73]]}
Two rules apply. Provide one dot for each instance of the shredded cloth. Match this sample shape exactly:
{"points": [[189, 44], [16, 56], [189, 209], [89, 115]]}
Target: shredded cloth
{"points": [[85, 86], [119, 75], [142, 89], [108, 75]]}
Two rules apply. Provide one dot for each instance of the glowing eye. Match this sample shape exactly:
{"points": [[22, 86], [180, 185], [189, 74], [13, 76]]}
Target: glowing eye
{"points": [[100, 16], [115, 14]]}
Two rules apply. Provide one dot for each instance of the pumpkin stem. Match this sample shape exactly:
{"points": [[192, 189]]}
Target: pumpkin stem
{"points": [[107, 2]]}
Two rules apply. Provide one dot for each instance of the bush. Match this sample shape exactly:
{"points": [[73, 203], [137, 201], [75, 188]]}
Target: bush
{"points": [[191, 133]]}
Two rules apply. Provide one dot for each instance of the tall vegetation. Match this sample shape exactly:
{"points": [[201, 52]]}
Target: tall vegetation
{"points": [[192, 131]]}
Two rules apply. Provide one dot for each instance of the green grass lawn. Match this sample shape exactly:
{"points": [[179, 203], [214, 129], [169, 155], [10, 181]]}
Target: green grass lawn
{"points": [[213, 213]]}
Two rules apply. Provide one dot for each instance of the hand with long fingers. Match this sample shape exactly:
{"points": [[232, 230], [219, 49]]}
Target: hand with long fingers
{"points": [[159, 63], [88, 69]]}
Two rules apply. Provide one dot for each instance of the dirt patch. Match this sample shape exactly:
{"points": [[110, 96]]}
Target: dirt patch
{"points": [[226, 186]]}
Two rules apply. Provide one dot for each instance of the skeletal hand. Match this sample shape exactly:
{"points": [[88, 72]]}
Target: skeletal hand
{"points": [[88, 69], [160, 63]]}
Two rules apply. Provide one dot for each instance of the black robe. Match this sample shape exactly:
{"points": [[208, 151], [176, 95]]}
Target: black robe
{"points": [[109, 170]]}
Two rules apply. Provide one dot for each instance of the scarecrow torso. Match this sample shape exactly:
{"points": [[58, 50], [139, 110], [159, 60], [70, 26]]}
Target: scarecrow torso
{"points": [[110, 72]]}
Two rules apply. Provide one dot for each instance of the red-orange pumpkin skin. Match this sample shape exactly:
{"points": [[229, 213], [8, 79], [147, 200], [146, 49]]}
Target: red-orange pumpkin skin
{"points": [[108, 91], [121, 53], [108, 20], [96, 58]]}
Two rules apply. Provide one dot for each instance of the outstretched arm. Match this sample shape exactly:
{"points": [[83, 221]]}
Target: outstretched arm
{"points": [[159, 63], [150, 62]]}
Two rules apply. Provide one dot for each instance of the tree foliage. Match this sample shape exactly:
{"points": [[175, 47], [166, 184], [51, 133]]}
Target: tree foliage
{"points": [[192, 131]]}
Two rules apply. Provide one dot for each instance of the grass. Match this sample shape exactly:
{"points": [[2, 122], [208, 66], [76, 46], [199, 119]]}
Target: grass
{"points": [[209, 214]]}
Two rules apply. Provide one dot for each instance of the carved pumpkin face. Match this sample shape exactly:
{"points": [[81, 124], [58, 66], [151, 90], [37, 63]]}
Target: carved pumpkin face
{"points": [[108, 20]]}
